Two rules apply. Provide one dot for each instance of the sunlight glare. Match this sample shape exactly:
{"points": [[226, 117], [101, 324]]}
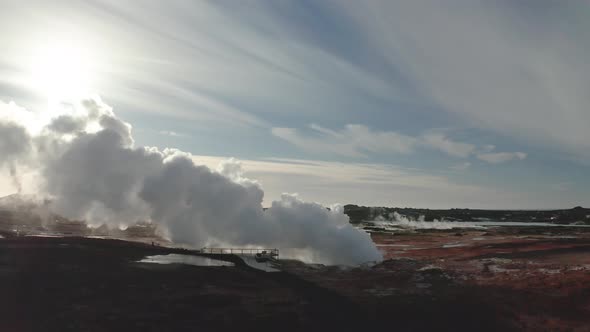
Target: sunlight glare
{"points": [[62, 72]]}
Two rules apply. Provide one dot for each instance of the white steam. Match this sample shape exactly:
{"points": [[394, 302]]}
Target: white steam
{"points": [[402, 221], [83, 158]]}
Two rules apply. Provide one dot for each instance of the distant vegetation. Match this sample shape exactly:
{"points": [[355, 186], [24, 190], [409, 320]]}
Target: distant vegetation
{"points": [[363, 213]]}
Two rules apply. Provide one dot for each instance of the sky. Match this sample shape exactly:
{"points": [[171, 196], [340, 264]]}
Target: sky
{"points": [[440, 104]]}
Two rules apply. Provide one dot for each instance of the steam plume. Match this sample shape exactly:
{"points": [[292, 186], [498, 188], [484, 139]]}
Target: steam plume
{"points": [[87, 164]]}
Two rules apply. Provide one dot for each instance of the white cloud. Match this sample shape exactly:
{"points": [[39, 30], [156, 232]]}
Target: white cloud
{"points": [[352, 141], [488, 148], [487, 154], [440, 142], [518, 70], [171, 133], [501, 157], [491, 65], [358, 141], [461, 166], [315, 145]]}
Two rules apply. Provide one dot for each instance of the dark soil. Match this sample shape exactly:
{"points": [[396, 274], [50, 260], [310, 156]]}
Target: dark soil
{"points": [[500, 284], [80, 284]]}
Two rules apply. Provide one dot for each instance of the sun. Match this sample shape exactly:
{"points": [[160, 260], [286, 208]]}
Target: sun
{"points": [[62, 72]]}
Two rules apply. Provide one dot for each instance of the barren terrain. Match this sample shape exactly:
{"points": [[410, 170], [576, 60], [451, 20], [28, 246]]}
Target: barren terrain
{"points": [[502, 278]]}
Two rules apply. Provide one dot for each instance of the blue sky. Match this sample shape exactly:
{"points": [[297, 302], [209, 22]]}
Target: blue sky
{"points": [[404, 103]]}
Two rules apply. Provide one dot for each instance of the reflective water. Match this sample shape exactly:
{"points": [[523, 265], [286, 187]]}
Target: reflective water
{"points": [[264, 266], [184, 259]]}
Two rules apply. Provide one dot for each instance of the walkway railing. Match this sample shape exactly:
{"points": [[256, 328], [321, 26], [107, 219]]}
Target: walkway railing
{"points": [[241, 251]]}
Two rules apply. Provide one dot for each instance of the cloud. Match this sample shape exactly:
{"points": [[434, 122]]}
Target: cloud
{"points": [[352, 141], [453, 148], [316, 145], [461, 166], [171, 133], [501, 157], [358, 141], [502, 66], [486, 153]]}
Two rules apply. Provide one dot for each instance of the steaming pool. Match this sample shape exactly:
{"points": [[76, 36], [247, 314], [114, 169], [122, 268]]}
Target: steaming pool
{"points": [[184, 259], [205, 261]]}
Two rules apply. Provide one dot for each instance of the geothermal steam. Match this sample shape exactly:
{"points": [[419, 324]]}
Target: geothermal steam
{"points": [[84, 160], [397, 220]]}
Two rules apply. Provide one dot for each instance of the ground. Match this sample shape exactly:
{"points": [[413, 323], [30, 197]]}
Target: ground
{"points": [[499, 279], [521, 278]]}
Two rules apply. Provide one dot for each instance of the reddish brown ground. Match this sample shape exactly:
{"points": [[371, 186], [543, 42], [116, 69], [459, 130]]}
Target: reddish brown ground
{"points": [[533, 279], [502, 279]]}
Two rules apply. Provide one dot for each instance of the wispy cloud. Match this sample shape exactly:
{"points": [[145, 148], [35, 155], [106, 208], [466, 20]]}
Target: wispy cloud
{"points": [[441, 142], [352, 141], [171, 133], [499, 66], [501, 157], [516, 68], [462, 166], [360, 141], [506, 72]]}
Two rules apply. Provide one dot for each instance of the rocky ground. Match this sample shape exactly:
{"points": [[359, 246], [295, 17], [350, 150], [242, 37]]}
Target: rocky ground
{"points": [[81, 284], [499, 279], [521, 278]]}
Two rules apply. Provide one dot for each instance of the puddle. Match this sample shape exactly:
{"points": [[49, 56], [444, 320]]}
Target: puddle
{"points": [[583, 267], [549, 271], [184, 259], [429, 268], [453, 245], [264, 266], [498, 269]]}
